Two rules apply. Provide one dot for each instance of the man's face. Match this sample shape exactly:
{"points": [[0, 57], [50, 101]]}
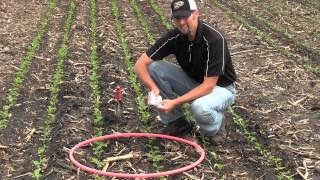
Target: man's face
{"points": [[187, 25]]}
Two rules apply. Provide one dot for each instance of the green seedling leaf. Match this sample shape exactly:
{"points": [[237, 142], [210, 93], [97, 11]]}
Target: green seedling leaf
{"points": [[218, 167]]}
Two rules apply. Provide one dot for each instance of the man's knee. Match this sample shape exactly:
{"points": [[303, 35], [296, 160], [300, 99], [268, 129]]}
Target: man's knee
{"points": [[154, 66], [199, 110], [157, 69]]}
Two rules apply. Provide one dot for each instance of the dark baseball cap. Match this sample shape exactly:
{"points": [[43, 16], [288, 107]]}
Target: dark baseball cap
{"points": [[182, 8]]}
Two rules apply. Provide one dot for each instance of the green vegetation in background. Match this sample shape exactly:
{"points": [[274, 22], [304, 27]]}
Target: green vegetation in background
{"points": [[300, 60], [155, 6], [303, 61], [311, 18], [271, 11], [298, 26], [312, 5], [309, 14], [142, 21], [300, 46], [12, 93], [54, 90]]}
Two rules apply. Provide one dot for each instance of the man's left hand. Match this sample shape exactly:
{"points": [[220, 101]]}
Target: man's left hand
{"points": [[166, 105]]}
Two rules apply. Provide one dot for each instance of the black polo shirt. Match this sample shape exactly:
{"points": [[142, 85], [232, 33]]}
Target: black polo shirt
{"points": [[207, 56]]}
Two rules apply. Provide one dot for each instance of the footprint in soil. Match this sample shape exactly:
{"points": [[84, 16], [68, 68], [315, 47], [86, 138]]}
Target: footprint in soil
{"points": [[43, 92], [269, 175], [316, 174]]}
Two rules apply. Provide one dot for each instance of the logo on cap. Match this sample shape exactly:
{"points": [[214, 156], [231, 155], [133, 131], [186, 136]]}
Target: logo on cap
{"points": [[178, 4]]}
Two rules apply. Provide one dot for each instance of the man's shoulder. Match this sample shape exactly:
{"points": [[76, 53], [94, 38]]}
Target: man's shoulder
{"points": [[212, 34], [173, 33]]}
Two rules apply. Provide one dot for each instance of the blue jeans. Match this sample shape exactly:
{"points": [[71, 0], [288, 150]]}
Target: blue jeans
{"points": [[207, 110]]}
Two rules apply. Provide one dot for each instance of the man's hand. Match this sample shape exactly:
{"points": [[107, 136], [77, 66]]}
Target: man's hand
{"points": [[167, 105]]}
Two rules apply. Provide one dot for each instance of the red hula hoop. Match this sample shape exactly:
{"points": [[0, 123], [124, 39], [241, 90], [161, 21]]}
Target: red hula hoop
{"points": [[197, 148]]}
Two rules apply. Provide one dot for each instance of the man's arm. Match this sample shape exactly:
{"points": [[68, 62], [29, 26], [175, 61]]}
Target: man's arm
{"points": [[141, 69], [203, 89]]}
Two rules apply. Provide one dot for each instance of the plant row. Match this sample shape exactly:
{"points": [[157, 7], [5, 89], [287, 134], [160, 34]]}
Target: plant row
{"points": [[156, 8], [309, 14], [144, 115], [251, 137], [281, 13], [313, 19], [264, 26], [23, 68], [298, 26], [303, 61], [54, 93], [311, 5], [98, 123], [304, 48]]}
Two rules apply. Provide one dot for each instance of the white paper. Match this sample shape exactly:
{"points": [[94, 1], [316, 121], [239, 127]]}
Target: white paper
{"points": [[154, 100]]}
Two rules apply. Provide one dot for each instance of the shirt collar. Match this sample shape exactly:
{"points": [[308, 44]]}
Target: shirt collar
{"points": [[199, 33]]}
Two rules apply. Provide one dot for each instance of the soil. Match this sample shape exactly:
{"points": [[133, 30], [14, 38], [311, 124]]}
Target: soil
{"points": [[279, 98]]}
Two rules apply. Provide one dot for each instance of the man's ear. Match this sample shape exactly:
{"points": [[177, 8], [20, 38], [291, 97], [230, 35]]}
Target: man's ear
{"points": [[196, 14]]}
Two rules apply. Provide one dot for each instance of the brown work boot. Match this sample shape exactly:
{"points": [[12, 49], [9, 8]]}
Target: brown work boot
{"points": [[221, 135], [178, 127]]}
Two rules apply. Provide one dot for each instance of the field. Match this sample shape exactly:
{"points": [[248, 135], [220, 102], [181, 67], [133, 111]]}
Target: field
{"points": [[61, 62]]}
